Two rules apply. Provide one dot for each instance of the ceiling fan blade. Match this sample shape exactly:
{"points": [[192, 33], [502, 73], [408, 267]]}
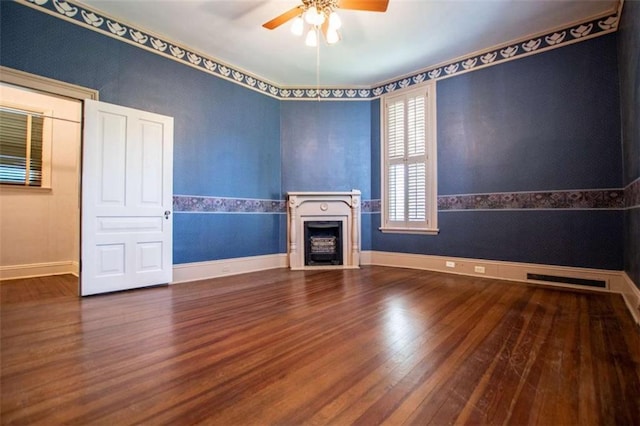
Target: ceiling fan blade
{"points": [[279, 20], [368, 5], [325, 28]]}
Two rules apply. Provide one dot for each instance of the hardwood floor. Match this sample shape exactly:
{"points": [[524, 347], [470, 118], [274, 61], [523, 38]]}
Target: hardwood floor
{"points": [[371, 346], [40, 288]]}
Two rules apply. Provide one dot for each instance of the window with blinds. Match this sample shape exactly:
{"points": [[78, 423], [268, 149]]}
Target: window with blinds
{"points": [[409, 161], [21, 147]]}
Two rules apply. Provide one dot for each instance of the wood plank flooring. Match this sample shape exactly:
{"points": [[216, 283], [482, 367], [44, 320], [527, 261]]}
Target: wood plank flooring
{"points": [[371, 346]]}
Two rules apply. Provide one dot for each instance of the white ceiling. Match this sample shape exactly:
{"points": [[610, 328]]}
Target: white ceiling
{"points": [[376, 47]]}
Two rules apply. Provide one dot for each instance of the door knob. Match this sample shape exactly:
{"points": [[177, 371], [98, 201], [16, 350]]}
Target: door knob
{"points": [[166, 214]]}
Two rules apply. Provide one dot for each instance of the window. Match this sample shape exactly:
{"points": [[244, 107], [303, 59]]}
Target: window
{"points": [[409, 200], [24, 147]]}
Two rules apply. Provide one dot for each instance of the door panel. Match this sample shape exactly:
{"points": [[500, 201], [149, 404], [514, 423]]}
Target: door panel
{"points": [[112, 139], [126, 190], [152, 165]]}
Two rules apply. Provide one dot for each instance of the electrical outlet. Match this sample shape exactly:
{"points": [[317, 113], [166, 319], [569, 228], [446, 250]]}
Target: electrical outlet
{"points": [[450, 264], [479, 269], [226, 269]]}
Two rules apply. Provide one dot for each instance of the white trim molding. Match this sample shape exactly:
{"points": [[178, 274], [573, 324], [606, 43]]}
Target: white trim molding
{"points": [[423, 188], [187, 272], [48, 85], [503, 270], [32, 270], [615, 281], [631, 295]]}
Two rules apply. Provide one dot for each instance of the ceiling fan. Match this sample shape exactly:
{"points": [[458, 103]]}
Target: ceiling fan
{"points": [[321, 15]]}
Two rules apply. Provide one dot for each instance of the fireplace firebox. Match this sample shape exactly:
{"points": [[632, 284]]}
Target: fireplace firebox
{"points": [[323, 243]]}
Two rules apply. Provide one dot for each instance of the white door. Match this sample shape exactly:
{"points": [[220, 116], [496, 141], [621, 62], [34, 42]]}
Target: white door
{"points": [[127, 197]]}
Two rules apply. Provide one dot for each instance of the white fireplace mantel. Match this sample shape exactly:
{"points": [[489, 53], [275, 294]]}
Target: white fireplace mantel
{"points": [[342, 207]]}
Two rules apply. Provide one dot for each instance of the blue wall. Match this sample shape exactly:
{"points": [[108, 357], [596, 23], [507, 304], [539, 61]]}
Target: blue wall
{"points": [[226, 138], [629, 61], [326, 146], [545, 122]]}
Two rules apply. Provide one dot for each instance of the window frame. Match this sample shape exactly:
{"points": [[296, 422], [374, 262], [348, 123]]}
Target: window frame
{"points": [[430, 225], [47, 136]]}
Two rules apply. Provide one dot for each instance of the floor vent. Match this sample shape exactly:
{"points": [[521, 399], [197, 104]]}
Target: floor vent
{"points": [[567, 280]]}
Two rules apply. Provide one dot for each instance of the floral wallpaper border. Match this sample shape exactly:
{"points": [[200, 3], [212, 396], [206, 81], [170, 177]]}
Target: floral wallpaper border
{"points": [[612, 199], [632, 195], [205, 204], [202, 204], [96, 21], [591, 199]]}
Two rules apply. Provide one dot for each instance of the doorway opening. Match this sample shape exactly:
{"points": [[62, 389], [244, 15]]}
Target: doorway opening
{"points": [[40, 225]]}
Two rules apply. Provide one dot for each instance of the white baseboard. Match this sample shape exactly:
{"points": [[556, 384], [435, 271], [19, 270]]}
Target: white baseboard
{"points": [[196, 271], [76, 269], [631, 295], [14, 272], [512, 271], [616, 281], [365, 257]]}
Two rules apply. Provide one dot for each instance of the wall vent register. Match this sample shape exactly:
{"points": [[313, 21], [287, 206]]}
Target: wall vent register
{"points": [[567, 280]]}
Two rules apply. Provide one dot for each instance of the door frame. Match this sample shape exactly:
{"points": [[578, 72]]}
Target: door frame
{"points": [[48, 85], [59, 88]]}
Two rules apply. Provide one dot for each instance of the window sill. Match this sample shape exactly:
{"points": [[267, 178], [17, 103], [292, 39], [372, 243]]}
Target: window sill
{"points": [[421, 231], [23, 188]]}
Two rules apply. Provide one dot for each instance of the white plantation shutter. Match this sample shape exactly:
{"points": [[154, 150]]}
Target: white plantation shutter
{"points": [[395, 156], [416, 158], [395, 123], [416, 118], [409, 197], [416, 198], [396, 192]]}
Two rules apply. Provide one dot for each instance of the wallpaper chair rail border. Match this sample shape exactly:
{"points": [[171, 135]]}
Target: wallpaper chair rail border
{"points": [[607, 199]]}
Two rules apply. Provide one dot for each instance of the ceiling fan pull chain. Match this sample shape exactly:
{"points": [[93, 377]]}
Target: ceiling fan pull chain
{"points": [[318, 66]]}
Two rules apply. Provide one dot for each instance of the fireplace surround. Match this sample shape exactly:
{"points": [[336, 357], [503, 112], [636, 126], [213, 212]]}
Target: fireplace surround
{"points": [[334, 220]]}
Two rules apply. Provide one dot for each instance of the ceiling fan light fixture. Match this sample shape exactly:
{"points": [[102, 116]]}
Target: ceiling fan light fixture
{"points": [[312, 38], [313, 16], [309, 15], [334, 21], [321, 17], [297, 27], [332, 36]]}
